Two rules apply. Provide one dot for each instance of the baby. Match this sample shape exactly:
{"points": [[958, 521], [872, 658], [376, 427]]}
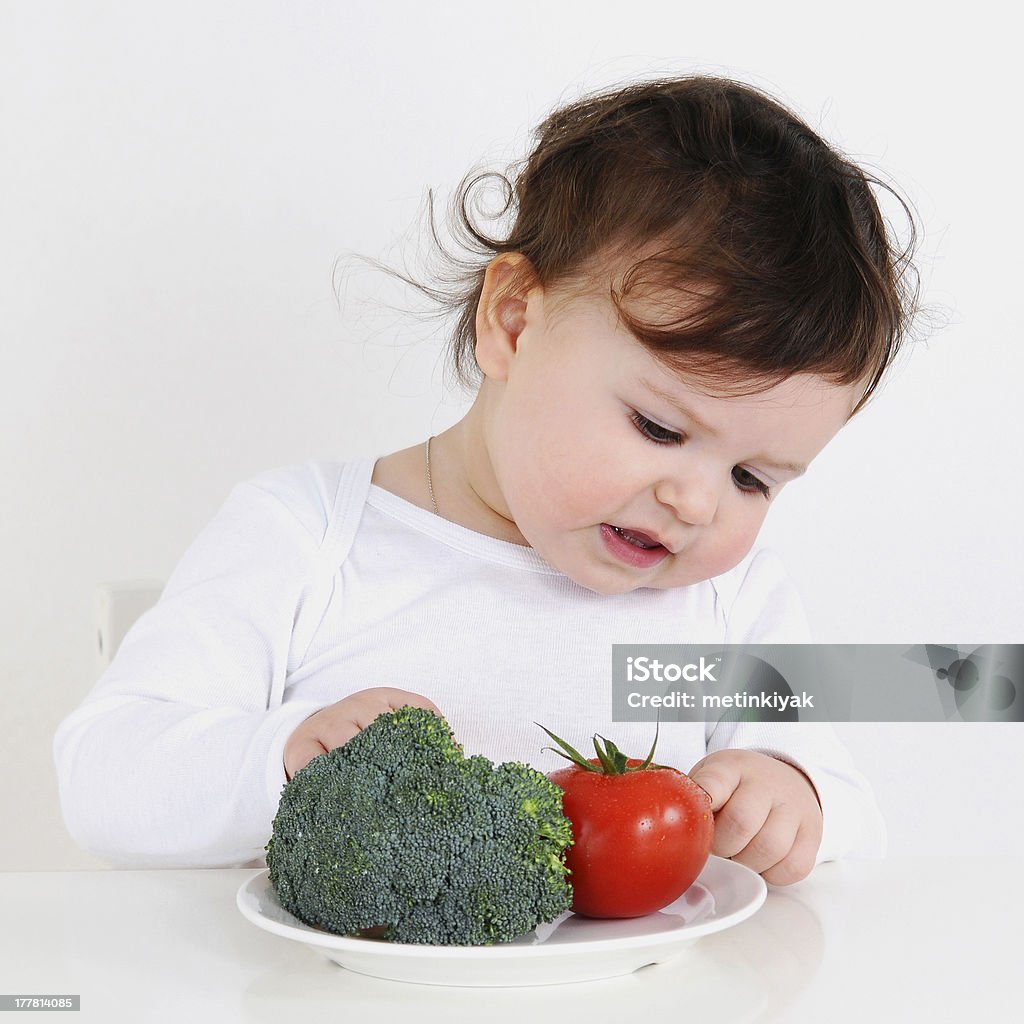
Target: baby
{"points": [[696, 294]]}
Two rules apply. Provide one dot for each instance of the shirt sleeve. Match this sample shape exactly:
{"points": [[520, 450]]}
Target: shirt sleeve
{"points": [[764, 608], [176, 756]]}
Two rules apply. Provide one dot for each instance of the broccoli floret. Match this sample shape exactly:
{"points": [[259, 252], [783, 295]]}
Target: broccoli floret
{"points": [[399, 830]]}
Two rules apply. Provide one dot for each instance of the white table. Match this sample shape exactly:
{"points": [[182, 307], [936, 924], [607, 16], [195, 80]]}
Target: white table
{"points": [[903, 940]]}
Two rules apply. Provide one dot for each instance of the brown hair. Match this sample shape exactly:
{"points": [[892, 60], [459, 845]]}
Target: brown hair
{"points": [[709, 190]]}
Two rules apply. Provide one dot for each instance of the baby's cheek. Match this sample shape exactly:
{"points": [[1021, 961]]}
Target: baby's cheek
{"points": [[733, 544], [569, 485]]}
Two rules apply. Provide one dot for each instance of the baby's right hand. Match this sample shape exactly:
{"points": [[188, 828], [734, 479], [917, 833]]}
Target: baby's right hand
{"points": [[336, 725]]}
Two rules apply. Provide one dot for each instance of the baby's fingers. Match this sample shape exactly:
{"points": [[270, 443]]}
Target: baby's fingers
{"points": [[335, 725], [368, 704], [301, 748], [740, 821], [799, 862], [719, 775], [772, 844]]}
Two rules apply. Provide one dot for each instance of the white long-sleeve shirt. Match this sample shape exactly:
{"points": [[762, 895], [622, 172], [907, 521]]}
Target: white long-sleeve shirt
{"points": [[311, 584]]}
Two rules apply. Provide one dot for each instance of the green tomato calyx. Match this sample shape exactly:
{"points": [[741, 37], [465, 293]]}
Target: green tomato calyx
{"points": [[612, 761]]}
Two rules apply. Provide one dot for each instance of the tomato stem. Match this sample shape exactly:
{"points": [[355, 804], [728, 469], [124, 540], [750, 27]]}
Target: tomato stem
{"points": [[569, 753], [611, 760], [650, 753]]}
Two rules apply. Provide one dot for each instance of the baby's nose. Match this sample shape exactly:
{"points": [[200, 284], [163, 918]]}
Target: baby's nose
{"points": [[693, 501]]}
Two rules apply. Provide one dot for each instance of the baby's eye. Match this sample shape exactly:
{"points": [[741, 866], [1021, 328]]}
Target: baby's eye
{"points": [[748, 483], [655, 431]]}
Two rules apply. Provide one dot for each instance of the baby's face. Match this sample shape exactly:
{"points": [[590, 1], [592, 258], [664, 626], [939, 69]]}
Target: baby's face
{"points": [[622, 474]]}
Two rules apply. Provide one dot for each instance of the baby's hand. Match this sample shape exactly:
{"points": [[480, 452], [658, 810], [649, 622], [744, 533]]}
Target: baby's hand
{"points": [[336, 725], [767, 815]]}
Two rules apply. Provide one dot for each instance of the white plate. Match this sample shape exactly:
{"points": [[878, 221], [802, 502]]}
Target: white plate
{"points": [[568, 949]]}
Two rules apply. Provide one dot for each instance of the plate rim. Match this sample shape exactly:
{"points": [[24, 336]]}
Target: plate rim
{"points": [[311, 936]]}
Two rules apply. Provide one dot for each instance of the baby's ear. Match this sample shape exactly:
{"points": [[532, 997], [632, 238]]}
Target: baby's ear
{"points": [[502, 313]]}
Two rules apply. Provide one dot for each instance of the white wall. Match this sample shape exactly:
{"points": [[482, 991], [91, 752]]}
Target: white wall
{"points": [[177, 182]]}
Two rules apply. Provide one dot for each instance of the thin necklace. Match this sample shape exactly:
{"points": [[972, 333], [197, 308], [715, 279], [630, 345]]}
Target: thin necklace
{"points": [[430, 483]]}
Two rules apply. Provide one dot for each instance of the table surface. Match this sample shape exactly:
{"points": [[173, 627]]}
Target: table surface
{"points": [[899, 940]]}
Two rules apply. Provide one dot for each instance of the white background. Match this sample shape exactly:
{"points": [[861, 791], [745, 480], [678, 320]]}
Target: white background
{"points": [[178, 182]]}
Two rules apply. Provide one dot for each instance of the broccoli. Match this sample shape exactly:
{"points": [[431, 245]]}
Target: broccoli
{"points": [[398, 830]]}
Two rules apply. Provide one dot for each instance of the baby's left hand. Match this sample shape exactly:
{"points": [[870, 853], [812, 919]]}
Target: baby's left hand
{"points": [[767, 815]]}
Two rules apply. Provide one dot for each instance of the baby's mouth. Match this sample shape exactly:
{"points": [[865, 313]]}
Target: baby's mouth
{"points": [[633, 547], [636, 538]]}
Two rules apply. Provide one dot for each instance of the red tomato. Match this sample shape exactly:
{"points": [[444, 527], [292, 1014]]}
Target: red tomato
{"points": [[641, 837]]}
